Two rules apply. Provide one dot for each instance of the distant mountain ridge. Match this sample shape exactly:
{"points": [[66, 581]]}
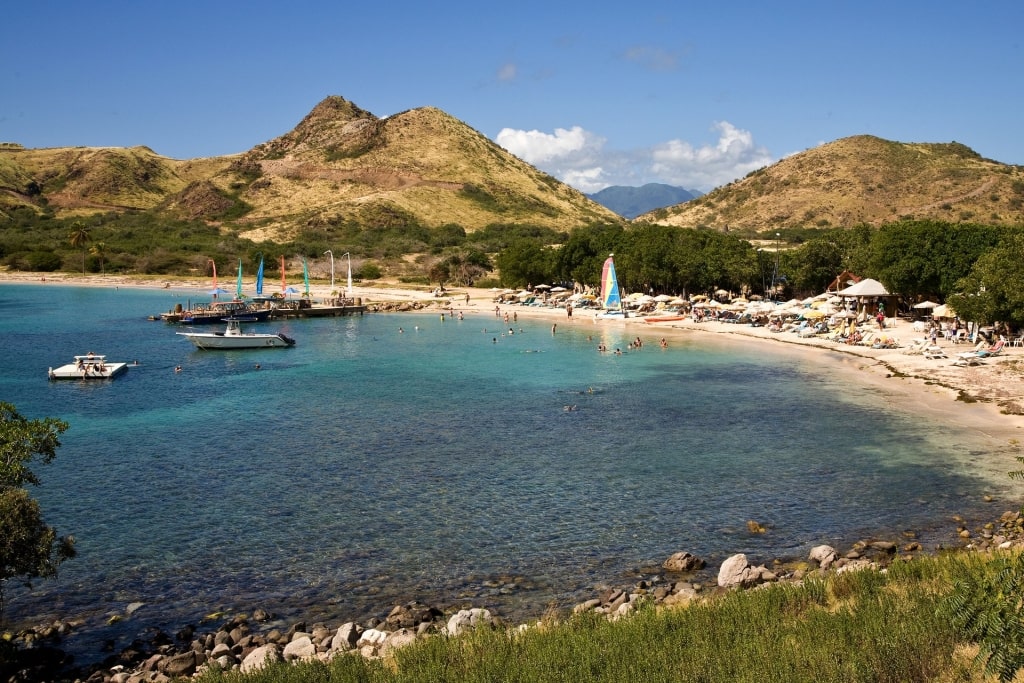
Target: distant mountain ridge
{"points": [[631, 202]]}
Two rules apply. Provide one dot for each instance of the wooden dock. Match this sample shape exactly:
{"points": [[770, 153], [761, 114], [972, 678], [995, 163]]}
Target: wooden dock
{"points": [[329, 308]]}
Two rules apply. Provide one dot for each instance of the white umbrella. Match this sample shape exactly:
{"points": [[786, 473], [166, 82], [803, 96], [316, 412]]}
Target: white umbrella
{"points": [[926, 304], [663, 297], [559, 289], [866, 287]]}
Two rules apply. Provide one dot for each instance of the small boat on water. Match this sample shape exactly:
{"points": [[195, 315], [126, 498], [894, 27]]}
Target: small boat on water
{"points": [[89, 366], [233, 338]]}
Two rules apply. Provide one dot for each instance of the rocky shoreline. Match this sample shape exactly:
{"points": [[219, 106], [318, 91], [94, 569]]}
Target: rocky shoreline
{"points": [[936, 387], [247, 643]]}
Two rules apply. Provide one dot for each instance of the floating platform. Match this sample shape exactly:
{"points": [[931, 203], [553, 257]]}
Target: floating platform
{"points": [[89, 366]]}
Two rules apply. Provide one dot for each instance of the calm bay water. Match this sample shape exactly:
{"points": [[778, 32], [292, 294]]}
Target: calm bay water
{"points": [[367, 467]]}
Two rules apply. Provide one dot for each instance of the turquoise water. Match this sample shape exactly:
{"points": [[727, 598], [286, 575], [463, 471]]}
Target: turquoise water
{"points": [[367, 467]]}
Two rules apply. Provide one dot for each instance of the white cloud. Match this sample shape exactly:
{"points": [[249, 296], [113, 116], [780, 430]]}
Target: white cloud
{"points": [[535, 147], [652, 58], [507, 72], [579, 158]]}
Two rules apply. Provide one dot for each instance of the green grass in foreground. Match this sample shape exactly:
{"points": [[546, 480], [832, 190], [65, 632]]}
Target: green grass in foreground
{"points": [[860, 626]]}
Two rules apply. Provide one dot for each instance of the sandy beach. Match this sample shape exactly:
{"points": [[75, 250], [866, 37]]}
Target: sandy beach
{"points": [[987, 398]]}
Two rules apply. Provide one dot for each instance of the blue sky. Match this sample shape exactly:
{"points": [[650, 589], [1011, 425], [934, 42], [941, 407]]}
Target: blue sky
{"points": [[694, 95]]}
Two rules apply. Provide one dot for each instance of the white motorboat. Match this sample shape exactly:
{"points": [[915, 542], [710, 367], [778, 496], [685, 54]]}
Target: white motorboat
{"points": [[233, 338], [89, 366]]}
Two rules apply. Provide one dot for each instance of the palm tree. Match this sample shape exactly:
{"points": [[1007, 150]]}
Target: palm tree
{"points": [[79, 237], [99, 250]]}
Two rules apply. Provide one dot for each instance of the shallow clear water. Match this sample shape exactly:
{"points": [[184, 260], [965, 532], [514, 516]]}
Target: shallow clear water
{"points": [[368, 467]]}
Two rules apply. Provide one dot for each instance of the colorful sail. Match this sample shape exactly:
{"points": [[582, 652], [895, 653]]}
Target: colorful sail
{"points": [[610, 297], [259, 279], [216, 289], [283, 286], [238, 285]]}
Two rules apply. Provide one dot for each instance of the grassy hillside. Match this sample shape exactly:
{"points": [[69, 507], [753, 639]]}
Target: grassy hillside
{"points": [[861, 180], [341, 165]]}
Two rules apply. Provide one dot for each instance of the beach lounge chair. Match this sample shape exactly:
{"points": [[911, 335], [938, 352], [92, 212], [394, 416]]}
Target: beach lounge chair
{"points": [[979, 353], [917, 346], [993, 350], [933, 352]]}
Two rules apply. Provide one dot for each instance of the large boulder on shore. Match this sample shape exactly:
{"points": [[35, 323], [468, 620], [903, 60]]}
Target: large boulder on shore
{"points": [[683, 562], [824, 555], [466, 619], [737, 572], [260, 657]]}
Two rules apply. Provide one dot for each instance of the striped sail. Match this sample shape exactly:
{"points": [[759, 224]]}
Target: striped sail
{"points": [[610, 286]]}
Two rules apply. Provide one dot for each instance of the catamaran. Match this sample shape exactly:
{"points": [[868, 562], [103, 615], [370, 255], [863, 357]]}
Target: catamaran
{"points": [[611, 295]]}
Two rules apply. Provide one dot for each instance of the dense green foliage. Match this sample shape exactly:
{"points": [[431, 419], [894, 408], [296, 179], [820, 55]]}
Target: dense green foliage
{"points": [[858, 626], [993, 289], [986, 608], [979, 269], [28, 548]]}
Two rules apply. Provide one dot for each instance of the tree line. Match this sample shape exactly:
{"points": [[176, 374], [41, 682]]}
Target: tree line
{"points": [[975, 268]]}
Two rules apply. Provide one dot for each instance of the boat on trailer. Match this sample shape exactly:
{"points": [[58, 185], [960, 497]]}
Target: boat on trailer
{"points": [[89, 366]]}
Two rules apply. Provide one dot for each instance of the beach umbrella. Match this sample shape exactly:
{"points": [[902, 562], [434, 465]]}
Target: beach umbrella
{"points": [[926, 304], [217, 291], [559, 289], [866, 287], [813, 313], [290, 290], [543, 287]]}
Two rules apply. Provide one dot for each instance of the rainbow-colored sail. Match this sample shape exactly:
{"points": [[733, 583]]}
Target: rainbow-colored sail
{"points": [[610, 297]]}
